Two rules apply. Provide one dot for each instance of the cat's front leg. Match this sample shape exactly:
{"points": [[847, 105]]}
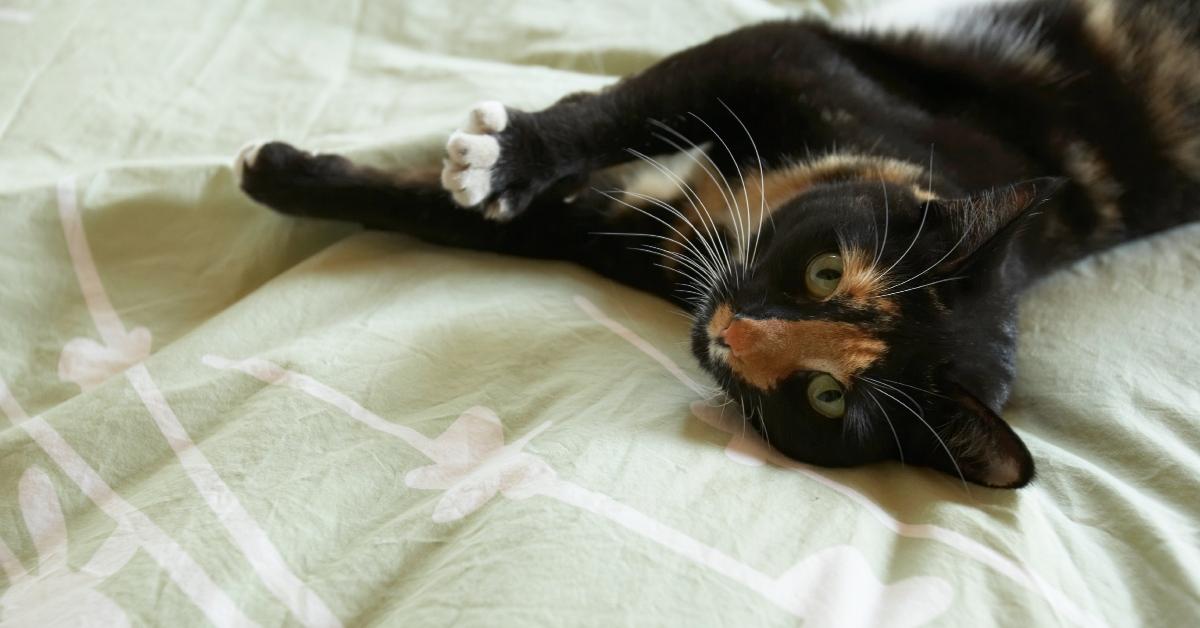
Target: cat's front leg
{"points": [[503, 158]]}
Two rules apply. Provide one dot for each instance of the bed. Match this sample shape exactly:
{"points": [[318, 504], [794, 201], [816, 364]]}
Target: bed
{"points": [[212, 414]]}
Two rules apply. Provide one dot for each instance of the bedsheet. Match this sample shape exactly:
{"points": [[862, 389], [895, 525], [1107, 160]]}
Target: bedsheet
{"points": [[211, 414]]}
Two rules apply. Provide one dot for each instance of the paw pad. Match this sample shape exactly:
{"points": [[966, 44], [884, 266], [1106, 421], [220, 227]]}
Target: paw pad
{"points": [[472, 153]]}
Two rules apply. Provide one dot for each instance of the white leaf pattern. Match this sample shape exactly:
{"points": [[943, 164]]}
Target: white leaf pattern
{"points": [[472, 464], [54, 594]]}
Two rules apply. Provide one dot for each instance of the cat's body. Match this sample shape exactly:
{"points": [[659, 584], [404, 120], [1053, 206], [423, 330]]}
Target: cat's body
{"points": [[852, 213]]}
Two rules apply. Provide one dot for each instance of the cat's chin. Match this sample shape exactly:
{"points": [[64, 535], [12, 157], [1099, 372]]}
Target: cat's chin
{"points": [[718, 354]]}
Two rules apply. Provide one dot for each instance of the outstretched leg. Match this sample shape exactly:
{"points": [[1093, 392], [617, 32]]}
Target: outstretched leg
{"points": [[518, 167], [505, 158], [331, 187]]}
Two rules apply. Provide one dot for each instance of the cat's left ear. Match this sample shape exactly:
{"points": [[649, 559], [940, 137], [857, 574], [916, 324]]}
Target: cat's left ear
{"points": [[972, 223], [979, 444]]}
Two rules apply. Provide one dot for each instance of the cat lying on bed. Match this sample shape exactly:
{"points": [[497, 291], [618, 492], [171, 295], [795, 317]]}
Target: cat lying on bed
{"points": [[849, 214]]}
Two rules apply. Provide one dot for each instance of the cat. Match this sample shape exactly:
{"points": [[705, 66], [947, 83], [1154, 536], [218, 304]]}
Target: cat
{"points": [[850, 213]]}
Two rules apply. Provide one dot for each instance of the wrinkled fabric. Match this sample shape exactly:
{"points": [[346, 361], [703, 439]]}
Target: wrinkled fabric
{"points": [[210, 413]]}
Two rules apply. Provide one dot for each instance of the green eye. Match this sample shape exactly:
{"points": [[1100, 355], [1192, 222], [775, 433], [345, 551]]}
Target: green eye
{"points": [[826, 397], [823, 275]]}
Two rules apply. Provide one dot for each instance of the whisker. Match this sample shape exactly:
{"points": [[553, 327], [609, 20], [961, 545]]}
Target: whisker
{"points": [[886, 219], [673, 211], [713, 238], [694, 283], [728, 402], [917, 388], [924, 216], [895, 436], [711, 260], [666, 224], [737, 211], [685, 288], [688, 192], [762, 421], [744, 246], [932, 283], [723, 187], [686, 315], [726, 189], [675, 256], [897, 391], [711, 177], [935, 435], [762, 183], [644, 235], [935, 264]]}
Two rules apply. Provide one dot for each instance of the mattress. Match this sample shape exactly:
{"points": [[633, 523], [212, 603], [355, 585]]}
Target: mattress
{"points": [[213, 414]]}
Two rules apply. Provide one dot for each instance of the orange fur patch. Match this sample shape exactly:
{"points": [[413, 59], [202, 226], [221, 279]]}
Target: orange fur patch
{"points": [[862, 282], [765, 352], [1088, 169], [1154, 54], [721, 318]]}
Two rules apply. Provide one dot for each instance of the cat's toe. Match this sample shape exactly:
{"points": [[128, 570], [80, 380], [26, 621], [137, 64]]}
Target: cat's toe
{"points": [[468, 185], [489, 116], [245, 159], [468, 169], [496, 163], [473, 172]]}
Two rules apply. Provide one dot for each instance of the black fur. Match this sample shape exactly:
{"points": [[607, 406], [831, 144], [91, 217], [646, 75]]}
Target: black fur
{"points": [[990, 122]]}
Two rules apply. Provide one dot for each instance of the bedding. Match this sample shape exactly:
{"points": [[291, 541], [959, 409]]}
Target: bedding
{"points": [[211, 414]]}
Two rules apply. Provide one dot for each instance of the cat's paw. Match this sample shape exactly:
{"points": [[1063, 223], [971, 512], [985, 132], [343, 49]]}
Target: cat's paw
{"points": [[486, 163], [278, 174], [260, 164], [472, 156]]}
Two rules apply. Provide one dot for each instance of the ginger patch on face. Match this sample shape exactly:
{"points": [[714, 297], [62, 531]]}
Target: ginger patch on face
{"points": [[765, 352], [862, 282]]}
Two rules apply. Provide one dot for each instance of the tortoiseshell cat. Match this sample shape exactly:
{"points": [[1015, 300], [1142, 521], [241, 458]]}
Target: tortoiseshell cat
{"points": [[850, 213]]}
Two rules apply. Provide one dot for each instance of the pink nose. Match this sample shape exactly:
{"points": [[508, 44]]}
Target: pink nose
{"points": [[738, 336]]}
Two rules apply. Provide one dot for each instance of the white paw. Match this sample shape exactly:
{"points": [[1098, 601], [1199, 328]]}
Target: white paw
{"points": [[471, 154], [245, 159]]}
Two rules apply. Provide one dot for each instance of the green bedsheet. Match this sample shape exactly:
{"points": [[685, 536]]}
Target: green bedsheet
{"points": [[213, 414]]}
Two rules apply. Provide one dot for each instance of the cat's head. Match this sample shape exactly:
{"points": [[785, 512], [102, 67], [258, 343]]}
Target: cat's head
{"points": [[874, 322]]}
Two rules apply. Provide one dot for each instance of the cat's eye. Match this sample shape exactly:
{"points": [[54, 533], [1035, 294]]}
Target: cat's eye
{"points": [[823, 275], [826, 396]]}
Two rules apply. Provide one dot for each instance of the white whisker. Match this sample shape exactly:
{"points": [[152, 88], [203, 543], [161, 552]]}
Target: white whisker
{"points": [[924, 216], [654, 236], [694, 268], [935, 264], [935, 435], [666, 140], [926, 285], [762, 184], [886, 219], [712, 261], [891, 427], [688, 192], [686, 241], [762, 420], [714, 233], [917, 388], [736, 214], [724, 186]]}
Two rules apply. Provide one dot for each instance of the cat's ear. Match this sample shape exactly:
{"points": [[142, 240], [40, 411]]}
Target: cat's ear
{"points": [[981, 445], [967, 225]]}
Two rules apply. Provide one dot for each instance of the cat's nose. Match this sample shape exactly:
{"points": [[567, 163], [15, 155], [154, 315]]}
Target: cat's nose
{"points": [[738, 336]]}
